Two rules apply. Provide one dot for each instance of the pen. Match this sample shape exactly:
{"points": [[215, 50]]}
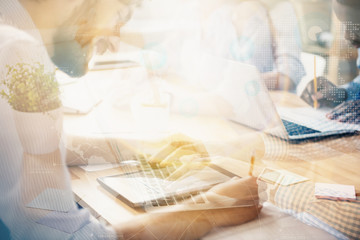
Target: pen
{"points": [[315, 85], [252, 161]]}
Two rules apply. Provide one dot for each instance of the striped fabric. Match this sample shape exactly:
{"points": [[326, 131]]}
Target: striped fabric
{"points": [[334, 217]]}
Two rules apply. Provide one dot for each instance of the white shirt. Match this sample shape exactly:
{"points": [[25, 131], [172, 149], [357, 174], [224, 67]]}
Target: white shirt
{"points": [[218, 36], [36, 201]]}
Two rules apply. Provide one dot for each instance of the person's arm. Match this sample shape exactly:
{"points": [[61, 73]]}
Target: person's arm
{"points": [[327, 93], [299, 201], [36, 198], [345, 99], [184, 224], [288, 67]]}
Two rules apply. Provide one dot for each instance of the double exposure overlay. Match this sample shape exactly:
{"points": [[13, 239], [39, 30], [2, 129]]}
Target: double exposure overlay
{"points": [[179, 119]]}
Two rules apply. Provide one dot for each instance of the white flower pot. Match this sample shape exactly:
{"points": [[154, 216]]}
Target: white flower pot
{"points": [[39, 133]]}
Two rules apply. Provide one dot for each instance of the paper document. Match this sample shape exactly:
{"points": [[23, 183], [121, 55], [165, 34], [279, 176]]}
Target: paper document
{"points": [[68, 222], [281, 177], [54, 200], [334, 191], [99, 167]]}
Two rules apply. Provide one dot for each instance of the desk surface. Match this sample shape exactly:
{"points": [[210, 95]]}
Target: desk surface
{"points": [[334, 160]]}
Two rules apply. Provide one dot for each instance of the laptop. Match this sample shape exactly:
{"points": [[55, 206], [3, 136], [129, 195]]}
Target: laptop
{"points": [[243, 88], [149, 187], [252, 106]]}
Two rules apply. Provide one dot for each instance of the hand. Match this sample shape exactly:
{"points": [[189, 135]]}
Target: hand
{"points": [[328, 94], [189, 162], [348, 112], [179, 150], [107, 43], [243, 190], [235, 192]]}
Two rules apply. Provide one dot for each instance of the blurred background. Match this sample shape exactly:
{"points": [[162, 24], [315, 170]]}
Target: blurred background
{"points": [[320, 32]]}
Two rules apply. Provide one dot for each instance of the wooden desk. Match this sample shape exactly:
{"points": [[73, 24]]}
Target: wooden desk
{"points": [[334, 160]]}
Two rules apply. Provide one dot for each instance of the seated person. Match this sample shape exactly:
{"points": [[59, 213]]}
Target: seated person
{"points": [[36, 200], [346, 98], [250, 32]]}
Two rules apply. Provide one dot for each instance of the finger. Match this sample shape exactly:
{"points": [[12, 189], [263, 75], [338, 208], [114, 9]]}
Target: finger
{"points": [[195, 158], [310, 87], [114, 43], [193, 149], [190, 158], [192, 162], [336, 112], [170, 151], [197, 147], [347, 117], [331, 116], [179, 172], [165, 151], [185, 169], [307, 97], [351, 120], [174, 157], [319, 98], [101, 46], [319, 95]]}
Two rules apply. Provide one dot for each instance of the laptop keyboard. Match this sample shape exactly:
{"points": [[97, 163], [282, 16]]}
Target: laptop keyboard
{"points": [[155, 187], [156, 172], [154, 180], [294, 129]]}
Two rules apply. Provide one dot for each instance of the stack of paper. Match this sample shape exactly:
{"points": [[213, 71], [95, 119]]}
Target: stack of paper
{"points": [[334, 191]]}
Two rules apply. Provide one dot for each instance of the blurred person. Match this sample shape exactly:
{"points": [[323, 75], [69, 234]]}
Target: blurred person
{"points": [[255, 32], [36, 200], [337, 217], [344, 99]]}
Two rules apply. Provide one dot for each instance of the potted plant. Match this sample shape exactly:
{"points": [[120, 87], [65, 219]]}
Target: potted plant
{"points": [[34, 96]]}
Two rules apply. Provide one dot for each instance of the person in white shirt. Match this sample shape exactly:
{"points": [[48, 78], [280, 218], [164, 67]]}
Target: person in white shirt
{"points": [[36, 201], [251, 32], [344, 99]]}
